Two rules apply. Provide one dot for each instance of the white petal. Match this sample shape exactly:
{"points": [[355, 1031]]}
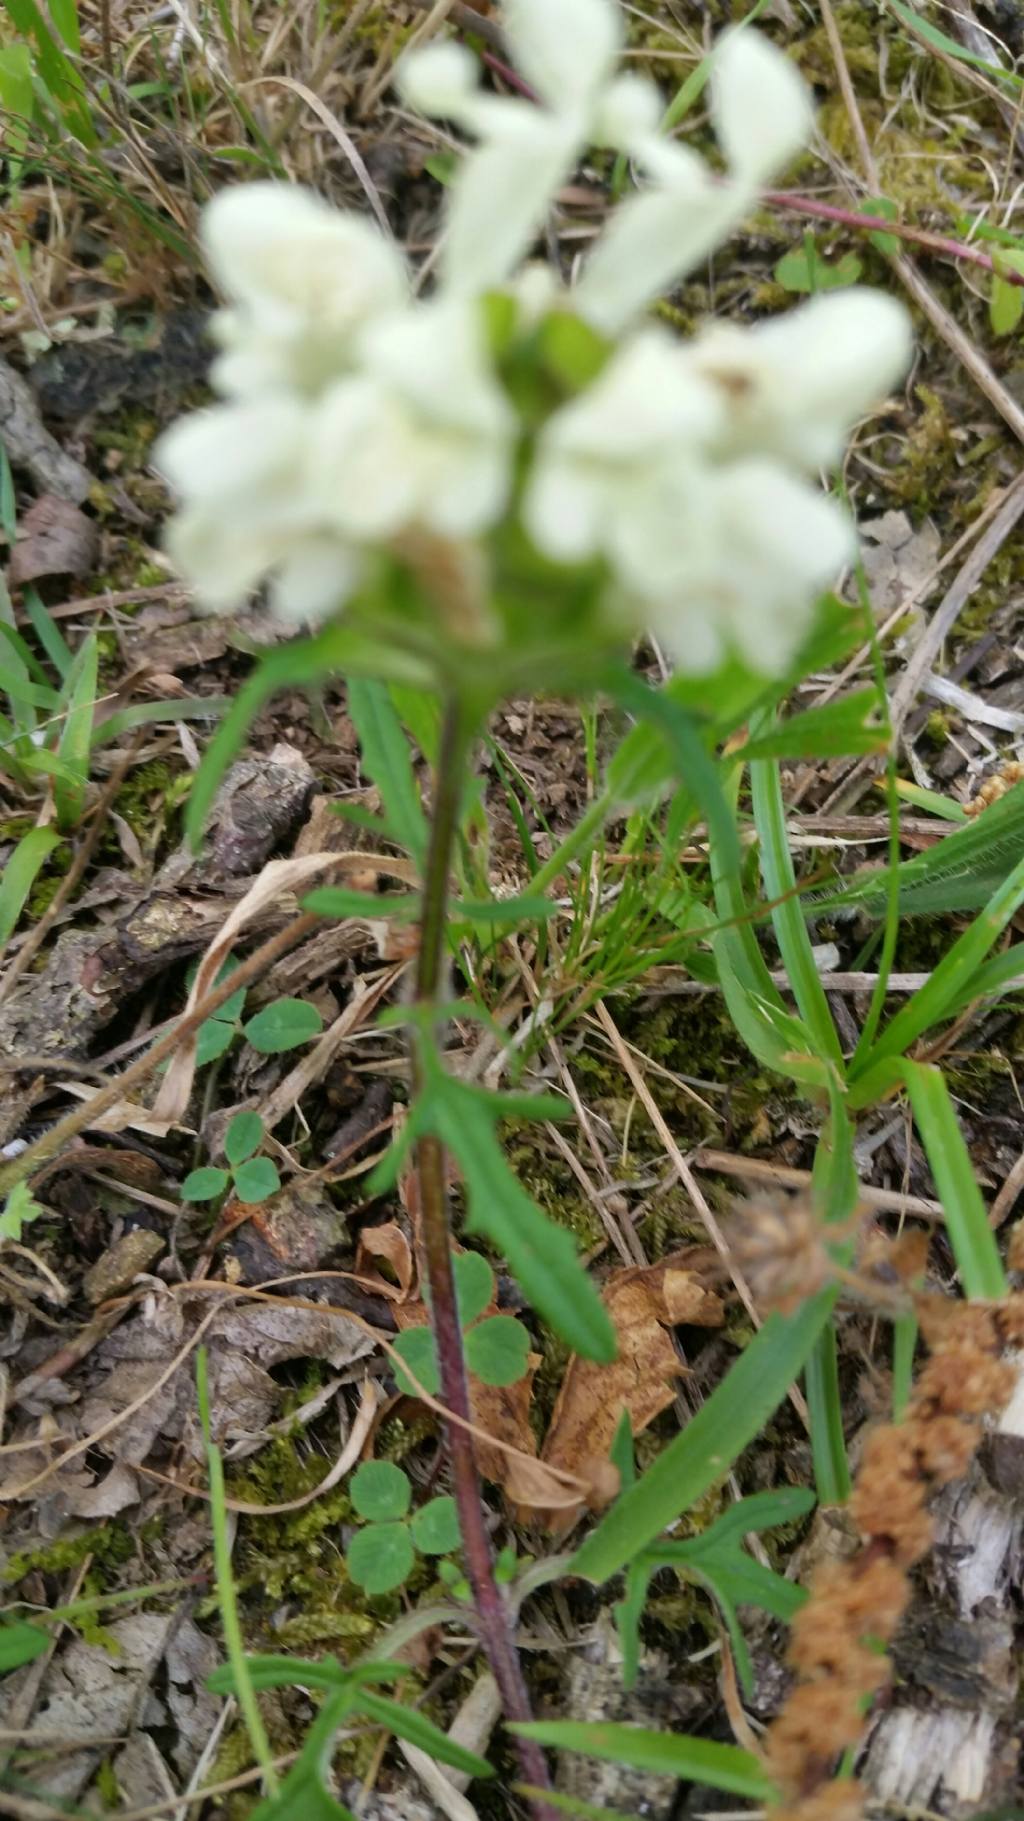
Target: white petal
{"points": [[438, 79], [652, 241], [436, 359], [628, 113], [566, 49], [233, 451], [647, 398], [314, 581], [501, 196], [221, 565], [782, 543], [689, 631], [565, 507], [365, 461], [760, 105], [468, 484], [304, 274]]}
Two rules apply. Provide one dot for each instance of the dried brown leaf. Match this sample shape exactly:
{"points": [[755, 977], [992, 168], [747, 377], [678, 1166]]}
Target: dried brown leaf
{"points": [[387, 1242], [54, 538], [643, 1302]]}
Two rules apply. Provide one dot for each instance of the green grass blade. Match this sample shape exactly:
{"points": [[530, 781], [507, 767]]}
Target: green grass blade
{"points": [[226, 1592], [701, 1456], [384, 756], [174, 708], [726, 1767], [960, 872], [828, 1444], [787, 917], [19, 875], [971, 1237], [76, 735], [951, 977], [48, 632]]}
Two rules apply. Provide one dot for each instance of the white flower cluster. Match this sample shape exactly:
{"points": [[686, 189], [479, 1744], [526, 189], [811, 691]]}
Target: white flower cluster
{"points": [[357, 415]]}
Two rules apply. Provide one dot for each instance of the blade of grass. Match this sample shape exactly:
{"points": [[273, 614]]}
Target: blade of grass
{"points": [[73, 746], [971, 1237], [226, 1592], [19, 875]]}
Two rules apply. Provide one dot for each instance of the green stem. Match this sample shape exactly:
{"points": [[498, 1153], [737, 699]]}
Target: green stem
{"points": [[828, 1444], [493, 1616]]}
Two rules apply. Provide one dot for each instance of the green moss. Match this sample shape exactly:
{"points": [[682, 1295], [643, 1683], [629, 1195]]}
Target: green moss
{"points": [[110, 1545]]}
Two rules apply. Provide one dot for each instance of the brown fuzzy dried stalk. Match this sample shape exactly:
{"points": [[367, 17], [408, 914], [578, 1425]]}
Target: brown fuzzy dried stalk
{"points": [[855, 1606]]}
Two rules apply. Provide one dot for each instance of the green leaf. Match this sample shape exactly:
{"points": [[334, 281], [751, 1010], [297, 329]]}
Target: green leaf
{"points": [[21, 1644], [303, 1795], [63, 82], [950, 976], [803, 269], [573, 351], [541, 1255], [971, 1237], [213, 1038], [243, 1136], [882, 205], [435, 1527], [20, 1209], [380, 1490], [283, 1025], [267, 1670], [960, 872], [20, 873], [416, 1347], [17, 99], [384, 756], [76, 735], [1005, 305], [474, 1285], [692, 1760], [846, 726], [409, 1723], [380, 1557], [256, 1179], [497, 1350], [941, 41], [336, 901], [735, 1412], [204, 1184]]}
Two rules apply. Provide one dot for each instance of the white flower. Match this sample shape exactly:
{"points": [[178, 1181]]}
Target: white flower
{"points": [[761, 111], [423, 436], [501, 195], [303, 278], [794, 386], [241, 472], [751, 557], [601, 454], [712, 557]]}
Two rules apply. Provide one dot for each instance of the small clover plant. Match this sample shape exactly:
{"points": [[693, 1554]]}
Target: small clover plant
{"points": [[383, 1554], [497, 1349], [252, 1178], [281, 1025]]}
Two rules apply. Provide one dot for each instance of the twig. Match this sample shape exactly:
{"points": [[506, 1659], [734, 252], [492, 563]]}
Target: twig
{"points": [[781, 1175], [954, 601], [50, 1143]]}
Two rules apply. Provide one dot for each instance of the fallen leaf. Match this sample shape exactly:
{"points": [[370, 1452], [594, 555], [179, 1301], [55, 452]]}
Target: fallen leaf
{"points": [[54, 538], [644, 1302], [389, 1243]]}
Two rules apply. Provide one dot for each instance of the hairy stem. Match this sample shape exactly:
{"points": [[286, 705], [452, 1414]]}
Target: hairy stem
{"points": [[493, 1617]]}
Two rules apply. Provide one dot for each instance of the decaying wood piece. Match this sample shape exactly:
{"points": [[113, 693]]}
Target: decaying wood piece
{"points": [[30, 445], [90, 975], [948, 1739]]}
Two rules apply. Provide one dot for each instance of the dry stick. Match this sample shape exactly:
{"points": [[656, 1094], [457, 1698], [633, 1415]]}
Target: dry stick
{"points": [[36, 937], [955, 600], [782, 1175], [53, 1141], [493, 1617]]}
